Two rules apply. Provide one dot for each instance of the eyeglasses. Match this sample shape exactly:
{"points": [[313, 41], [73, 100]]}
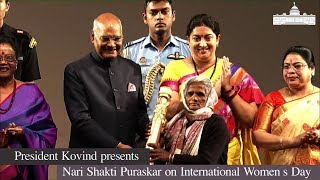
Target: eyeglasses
{"points": [[8, 58], [296, 67]]}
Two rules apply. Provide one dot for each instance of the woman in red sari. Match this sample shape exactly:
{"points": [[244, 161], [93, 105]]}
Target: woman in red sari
{"points": [[287, 125]]}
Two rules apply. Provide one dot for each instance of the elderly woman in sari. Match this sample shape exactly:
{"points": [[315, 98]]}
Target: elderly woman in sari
{"points": [[26, 120], [195, 135], [287, 125], [239, 95]]}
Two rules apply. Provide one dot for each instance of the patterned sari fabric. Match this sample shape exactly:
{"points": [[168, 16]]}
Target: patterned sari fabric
{"points": [[241, 149], [289, 119], [32, 113], [181, 139]]}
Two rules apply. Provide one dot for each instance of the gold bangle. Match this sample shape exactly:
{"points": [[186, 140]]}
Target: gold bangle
{"points": [[281, 143], [170, 156]]}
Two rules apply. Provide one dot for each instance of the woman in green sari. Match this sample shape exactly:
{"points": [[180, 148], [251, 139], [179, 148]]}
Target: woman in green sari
{"points": [[287, 125]]}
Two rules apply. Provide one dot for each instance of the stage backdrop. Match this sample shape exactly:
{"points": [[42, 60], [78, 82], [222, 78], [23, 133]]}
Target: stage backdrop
{"points": [[249, 38]]}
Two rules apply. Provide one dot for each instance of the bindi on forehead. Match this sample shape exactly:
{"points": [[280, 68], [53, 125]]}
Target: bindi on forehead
{"points": [[293, 58], [3, 52], [289, 61], [6, 49]]}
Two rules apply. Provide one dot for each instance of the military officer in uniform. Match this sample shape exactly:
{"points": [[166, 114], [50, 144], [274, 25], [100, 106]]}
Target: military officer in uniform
{"points": [[27, 68], [156, 50]]}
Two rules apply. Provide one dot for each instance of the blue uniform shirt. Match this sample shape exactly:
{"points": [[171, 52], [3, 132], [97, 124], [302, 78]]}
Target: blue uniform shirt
{"points": [[146, 54]]}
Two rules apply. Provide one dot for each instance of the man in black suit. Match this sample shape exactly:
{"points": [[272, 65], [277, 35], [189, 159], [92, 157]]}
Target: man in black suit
{"points": [[103, 92]]}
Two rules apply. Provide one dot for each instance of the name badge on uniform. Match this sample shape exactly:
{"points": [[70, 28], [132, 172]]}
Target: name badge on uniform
{"points": [[143, 62], [176, 56]]}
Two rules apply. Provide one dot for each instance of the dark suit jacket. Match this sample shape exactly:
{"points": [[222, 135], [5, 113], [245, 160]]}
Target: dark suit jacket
{"points": [[104, 100]]}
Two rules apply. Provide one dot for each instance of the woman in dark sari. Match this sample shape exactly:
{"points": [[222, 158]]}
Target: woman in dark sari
{"points": [[25, 118]]}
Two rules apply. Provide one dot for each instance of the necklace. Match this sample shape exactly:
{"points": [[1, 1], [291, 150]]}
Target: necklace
{"points": [[290, 92], [214, 68], [3, 111]]}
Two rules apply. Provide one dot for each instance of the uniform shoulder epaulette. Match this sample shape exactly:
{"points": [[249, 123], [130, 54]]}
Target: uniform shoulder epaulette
{"points": [[19, 31], [23, 33], [134, 42], [32, 40], [32, 43], [181, 40]]}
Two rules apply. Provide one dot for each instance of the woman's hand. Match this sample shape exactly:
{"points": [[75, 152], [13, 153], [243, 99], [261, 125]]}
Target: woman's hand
{"points": [[313, 137], [308, 137], [217, 87], [158, 154], [15, 131], [4, 139], [226, 75]]}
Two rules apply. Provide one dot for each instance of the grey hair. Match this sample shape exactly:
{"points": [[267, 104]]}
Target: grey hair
{"points": [[206, 82]]}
